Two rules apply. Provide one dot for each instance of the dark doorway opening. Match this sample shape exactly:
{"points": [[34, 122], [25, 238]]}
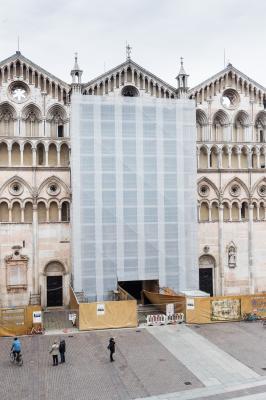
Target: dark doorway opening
{"points": [[134, 288], [206, 280], [54, 291]]}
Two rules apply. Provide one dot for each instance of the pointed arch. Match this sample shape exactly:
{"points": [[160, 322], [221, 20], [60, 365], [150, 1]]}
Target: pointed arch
{"points": [[206, 180], [54, 179], [57, 119], [16, 179], [8, 115], [240, 182], [256, 185]]}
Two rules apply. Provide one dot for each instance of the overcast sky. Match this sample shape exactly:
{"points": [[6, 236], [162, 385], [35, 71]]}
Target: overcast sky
{"points": [[160, 32]]}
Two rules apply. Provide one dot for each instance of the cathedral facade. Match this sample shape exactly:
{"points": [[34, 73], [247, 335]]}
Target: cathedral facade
{"points": [[231, 126], [35, 185]]}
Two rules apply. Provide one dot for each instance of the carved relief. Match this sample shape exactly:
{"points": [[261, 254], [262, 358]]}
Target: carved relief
{"points": [[16, 270]]}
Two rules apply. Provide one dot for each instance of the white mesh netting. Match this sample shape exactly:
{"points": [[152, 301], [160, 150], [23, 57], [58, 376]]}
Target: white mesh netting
{"points": [[134, 193]]}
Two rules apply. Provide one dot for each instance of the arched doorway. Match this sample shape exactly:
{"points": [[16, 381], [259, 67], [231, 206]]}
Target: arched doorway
{"points": [[206, 273], [54, 272]]}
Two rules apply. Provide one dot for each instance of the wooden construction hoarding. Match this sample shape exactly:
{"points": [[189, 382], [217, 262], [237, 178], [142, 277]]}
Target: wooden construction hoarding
{"points": [[205, 310], [17, 321], [108, 315]]}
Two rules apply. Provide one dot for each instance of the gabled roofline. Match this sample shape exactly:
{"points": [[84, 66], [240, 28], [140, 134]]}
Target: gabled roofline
{"points": [[126, 64], [229, 67], [19, 56]]}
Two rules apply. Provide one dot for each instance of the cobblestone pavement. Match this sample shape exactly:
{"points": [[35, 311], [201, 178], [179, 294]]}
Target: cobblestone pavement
{"points": [[143, 367], [245, 341]]}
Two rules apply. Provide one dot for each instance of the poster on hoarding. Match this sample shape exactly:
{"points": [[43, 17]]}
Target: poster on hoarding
{"points": [[225, 310]]}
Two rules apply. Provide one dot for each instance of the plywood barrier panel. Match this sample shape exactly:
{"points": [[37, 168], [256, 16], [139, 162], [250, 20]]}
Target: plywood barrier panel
{"points": [[17, 321], [108, 314]]}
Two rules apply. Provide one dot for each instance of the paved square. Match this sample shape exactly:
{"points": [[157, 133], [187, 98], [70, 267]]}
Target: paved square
{"points": [[143, 367], [245, 341]]}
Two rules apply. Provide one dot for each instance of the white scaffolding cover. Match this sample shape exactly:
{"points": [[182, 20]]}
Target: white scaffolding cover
{"points": [[133, 169]]}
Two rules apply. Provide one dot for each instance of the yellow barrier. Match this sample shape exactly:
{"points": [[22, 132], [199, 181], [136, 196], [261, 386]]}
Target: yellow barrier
{"points": [[17, 321], [206, 310], [108, 314]]}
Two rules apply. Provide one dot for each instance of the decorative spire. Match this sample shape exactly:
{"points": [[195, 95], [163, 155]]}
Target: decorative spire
{"points": [[182, 70], [128, 51], [182, 80], [76, 72], [76, 66]]}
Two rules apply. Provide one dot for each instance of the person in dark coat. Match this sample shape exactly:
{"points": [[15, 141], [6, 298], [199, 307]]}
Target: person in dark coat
{"points": [[62, 350], [111, 347]]}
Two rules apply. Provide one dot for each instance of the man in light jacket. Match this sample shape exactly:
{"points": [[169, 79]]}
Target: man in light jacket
{"points": [[55, 352]]}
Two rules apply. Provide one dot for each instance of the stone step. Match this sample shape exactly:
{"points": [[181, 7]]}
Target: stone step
{"points": [[57, 319]]}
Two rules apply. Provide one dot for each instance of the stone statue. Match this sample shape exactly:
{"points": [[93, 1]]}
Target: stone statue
{"points": [[231, 257]]}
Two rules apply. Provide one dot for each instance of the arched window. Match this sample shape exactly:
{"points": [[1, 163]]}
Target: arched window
{"points": [[15, 154], [53, 212], [130, 91], [220, 126], [52, 155], [16, 212], [7, 118], [40, 154], [57, 119], [241, 127], [28, 212], [235, 212], [41, 212], [226, 213], [4, 213], [204, 212], [31, 116], [260, 125], [202, 123], [214, 212], [64, 155], [27, 154], [203, 158], [3, 154], [65, 212], [244, 211]]}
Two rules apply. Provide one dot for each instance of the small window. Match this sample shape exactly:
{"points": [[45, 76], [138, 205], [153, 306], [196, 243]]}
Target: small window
{"points": [[60, 131], [130, 91], [65, 212]]}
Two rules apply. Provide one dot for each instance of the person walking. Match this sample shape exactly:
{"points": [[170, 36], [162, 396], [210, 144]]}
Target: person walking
{"points": [[55, 352], [62, 350], [111, 347]]}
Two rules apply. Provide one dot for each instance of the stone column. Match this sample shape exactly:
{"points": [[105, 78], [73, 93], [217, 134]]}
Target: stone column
{"points": [[220, 159], [238, 158], [58, 156], [250, 249], [10, 214], [198, 157], [59, 214], [208, 158], [34, 158], [21, 155], [46, 157], [230, 212], [249, 158], [229, 157], [220, 284], [35, 263], [9, 156]]}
